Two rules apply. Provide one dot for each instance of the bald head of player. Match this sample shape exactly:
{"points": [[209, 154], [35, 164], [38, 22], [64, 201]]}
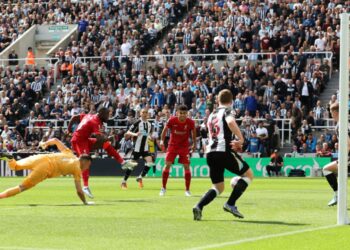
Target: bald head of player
{"points": [[225, 97], [334, 108], [144, 114], [103, 114], [85, 161]]}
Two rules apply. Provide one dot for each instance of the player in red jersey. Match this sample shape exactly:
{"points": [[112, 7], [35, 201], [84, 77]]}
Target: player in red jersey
{"points": [[88, 137], [181, 128]]}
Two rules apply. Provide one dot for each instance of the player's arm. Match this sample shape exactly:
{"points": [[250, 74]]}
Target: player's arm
{"points": [[133, 130], [54, 141], [235, 144], [80, 192], [133, 134], [162, 136], [194, 138], [74, 120], [150, 136]]}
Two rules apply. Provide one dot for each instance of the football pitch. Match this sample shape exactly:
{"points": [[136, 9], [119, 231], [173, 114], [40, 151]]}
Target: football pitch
{"points": [[280, 213]]}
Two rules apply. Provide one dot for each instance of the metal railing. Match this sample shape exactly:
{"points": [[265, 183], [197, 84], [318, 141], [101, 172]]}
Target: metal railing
{"points": [[285, 126], [51, 64], [215, 58]]}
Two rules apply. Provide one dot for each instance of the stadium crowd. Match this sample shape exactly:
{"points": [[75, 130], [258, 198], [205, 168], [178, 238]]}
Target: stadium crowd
{"points": [[284, 84]]}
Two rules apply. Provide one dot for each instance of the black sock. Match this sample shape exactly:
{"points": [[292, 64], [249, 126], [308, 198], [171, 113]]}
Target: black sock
{"points": [[333, 182], [207, 198], [127, 174], [145, 171], [239, 189]]}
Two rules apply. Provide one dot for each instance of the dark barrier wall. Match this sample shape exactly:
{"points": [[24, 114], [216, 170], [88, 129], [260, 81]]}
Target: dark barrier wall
{"points": [[109, 167]]}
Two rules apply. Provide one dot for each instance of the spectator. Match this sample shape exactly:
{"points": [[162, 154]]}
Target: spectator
{"points": [[262, 134], [30, 60], [324, 151], [13, 58], [253, 144], [311, 143]]}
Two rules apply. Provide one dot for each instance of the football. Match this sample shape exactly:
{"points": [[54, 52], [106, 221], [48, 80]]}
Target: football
{"points": [[234, 181]]}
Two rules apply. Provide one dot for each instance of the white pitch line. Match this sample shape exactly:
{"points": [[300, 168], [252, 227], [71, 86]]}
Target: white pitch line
{"points": [[237, 242], [27, 248]]}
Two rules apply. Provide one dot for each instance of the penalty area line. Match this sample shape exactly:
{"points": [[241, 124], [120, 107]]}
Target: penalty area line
{"points": [[237, 242]]}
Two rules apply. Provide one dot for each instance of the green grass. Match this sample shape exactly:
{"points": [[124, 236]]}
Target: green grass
{"points": [[51, 217]]}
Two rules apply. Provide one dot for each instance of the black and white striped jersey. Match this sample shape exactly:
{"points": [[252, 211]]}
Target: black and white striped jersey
{"points": [[158, 127], [145, 129], [220, 134]]}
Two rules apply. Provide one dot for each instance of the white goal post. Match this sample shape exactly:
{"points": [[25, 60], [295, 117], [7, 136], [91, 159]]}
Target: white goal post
{"points": [[343, 119]]}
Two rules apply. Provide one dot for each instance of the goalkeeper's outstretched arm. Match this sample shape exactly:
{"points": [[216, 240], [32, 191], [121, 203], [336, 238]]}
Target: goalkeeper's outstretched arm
{"points": [[80, 192], [54, 141]]}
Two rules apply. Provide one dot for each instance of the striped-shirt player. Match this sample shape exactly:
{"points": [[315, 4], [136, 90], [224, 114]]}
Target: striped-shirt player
{"points": [[141, 130], [221, 126]]}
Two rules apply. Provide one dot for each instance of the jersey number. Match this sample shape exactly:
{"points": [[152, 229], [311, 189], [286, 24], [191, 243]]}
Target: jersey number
{"points": [[214, 128], [82, 123]]}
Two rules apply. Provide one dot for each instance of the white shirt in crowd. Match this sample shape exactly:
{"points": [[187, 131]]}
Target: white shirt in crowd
{"points": [[320, 44], [261, 131], [125, 48], [305, 90]]}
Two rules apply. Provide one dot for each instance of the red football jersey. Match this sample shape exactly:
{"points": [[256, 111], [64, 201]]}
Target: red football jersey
{"points": [[89, 124], [180, 132]]}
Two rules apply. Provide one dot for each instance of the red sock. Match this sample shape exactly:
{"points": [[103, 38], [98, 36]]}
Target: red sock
{"points": [[165, 176], [86, 174], [187, 179], [112, 152]]}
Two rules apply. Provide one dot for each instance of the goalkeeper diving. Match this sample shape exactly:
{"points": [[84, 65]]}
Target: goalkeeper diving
{"points": [[44, 166]]}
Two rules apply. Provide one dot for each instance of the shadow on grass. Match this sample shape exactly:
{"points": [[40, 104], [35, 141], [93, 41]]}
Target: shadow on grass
{"points": [[261, 222], [127, 201], [64, 205], [217, 197], [272, 222]]}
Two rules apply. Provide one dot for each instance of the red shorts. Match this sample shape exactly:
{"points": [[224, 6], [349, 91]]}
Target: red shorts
{"points": [[183, 153], [83, 146]]}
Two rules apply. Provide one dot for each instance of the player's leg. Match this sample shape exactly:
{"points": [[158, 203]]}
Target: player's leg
{"points": [[149, 163], [37, 175], [169, 160], [187, 177], [107, 146], [128, 172], [329, 171], [184, 159], [11, 192], [246, 178], [165, 176], [27, 163], [216, 173]]}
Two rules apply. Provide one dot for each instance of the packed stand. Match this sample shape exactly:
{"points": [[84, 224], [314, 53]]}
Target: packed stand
{"points": [[16, 18], [255, 26], [285, 86]]}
